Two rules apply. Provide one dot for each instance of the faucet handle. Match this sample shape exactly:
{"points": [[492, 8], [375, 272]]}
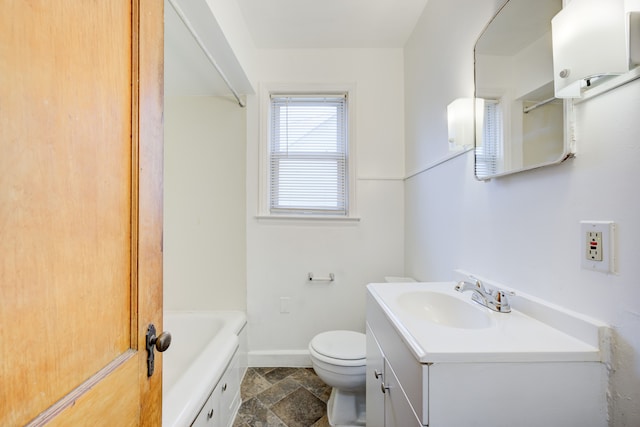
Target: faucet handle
{"points": [[478, 284], [501, 301]]}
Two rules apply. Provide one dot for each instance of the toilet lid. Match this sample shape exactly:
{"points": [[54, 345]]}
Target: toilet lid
{"points": [[345, 345]]}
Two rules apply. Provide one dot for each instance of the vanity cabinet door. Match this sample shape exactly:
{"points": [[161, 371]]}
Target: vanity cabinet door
{"points": [[375, 378], [229, 390], [209, 415], [397, 409], [413, 376]]}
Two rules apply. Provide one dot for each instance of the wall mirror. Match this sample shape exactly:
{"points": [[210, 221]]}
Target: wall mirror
{"points": [[519, 123]]}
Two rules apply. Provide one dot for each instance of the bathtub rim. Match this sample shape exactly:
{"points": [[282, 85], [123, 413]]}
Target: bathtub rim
{"points": [[192, 389]]}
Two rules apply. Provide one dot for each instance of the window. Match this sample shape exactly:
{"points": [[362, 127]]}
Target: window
{"points": [[489, 149], [308, 154]]}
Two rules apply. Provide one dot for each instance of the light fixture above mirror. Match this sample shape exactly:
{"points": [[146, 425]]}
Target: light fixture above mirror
{"points": [[594, 41]]}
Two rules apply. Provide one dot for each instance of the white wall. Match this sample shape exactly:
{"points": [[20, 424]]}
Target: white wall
{"points": [[523, 230], [280, 254], [204, 204]]}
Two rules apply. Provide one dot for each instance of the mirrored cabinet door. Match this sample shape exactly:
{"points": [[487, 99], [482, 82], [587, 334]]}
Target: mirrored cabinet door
{"points": [[520, 125]]}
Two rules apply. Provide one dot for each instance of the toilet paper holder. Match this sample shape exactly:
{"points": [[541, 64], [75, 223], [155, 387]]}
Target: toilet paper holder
{"points": [[312, 278]]}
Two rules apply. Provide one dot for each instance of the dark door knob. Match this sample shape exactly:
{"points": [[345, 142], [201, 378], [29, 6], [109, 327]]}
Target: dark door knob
{"points": [[160, 343]]}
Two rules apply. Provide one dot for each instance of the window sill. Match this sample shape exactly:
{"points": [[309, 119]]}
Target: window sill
{"points": [[318, 219]]}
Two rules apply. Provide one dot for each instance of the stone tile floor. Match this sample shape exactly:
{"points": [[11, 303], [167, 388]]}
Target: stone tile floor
{"points": [[283, 397]]}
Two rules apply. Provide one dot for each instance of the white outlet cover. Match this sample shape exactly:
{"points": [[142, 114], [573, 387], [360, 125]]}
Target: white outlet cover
{"points": [[608, 229]]}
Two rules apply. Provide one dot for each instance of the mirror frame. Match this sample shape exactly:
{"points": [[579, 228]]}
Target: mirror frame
{"points": [[568, 148]]}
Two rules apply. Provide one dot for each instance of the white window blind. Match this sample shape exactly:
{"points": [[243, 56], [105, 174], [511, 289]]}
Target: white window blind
{"points": [[308, 154], [489, 151]]}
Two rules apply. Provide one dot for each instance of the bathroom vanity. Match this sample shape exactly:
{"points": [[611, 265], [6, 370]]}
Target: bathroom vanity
{"points": [[435, 358]]}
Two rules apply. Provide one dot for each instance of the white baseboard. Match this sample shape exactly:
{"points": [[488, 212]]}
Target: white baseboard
{"points": [[279, 358]]}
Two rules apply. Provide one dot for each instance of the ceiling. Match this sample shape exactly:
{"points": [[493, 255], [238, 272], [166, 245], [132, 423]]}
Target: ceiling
{"points": [[331, 23], [279, 24]]}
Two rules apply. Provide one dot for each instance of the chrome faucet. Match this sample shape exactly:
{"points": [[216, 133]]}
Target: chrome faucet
{"points": [[495, 299]]}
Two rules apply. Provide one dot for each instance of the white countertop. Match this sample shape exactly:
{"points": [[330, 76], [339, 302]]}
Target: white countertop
{"points": [[512, 337]]}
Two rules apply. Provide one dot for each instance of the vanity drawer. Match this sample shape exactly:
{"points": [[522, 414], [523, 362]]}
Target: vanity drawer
{"points": [[412, 376]]}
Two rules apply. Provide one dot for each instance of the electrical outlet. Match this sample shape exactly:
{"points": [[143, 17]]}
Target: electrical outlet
{"points": [[597, 251], [285, 302], [594, 245]]}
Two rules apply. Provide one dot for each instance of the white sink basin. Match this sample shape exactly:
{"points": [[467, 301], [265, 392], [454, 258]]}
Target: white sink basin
{"points": [[439, 324], [444, 310]]}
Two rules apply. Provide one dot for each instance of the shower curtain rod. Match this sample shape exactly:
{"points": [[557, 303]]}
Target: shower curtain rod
{"points": [[198, 40], [539, 104]]}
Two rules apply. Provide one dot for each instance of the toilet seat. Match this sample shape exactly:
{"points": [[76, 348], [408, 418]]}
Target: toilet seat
{"points": [[343, 348]]}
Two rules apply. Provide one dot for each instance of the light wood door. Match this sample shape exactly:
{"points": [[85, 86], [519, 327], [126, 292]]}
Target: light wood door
{"points": [[80, 211]]}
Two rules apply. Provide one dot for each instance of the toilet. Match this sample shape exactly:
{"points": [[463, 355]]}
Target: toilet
{"points": [[339, 359]]}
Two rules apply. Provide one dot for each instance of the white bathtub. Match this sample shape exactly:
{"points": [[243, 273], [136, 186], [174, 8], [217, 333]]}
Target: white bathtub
{"points": [[204, 344]]}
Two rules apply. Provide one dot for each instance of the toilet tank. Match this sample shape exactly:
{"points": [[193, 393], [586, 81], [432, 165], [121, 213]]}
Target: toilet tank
{"points": [[398, 279]]}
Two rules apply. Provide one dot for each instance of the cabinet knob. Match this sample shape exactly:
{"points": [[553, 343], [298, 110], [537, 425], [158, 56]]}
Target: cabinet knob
{"points": [[377, 374], [210, 414], [384, 388]]}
